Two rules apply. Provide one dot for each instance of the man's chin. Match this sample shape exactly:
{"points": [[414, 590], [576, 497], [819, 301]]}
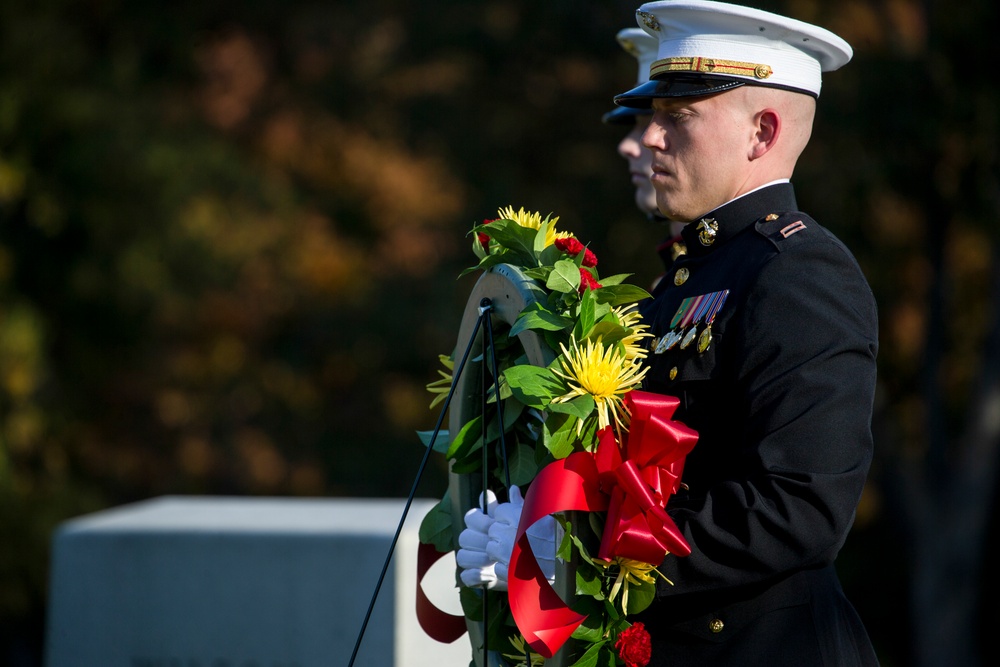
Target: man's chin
{"points": [[667, 212], [648, 206]]}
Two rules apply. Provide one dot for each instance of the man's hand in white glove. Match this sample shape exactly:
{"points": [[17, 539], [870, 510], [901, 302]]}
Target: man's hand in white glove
{"points": [[541, 536], [477, 569], [487, 542]]}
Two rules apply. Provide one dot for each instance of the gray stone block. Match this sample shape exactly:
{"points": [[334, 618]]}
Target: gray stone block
{"points": [[243, 582]]}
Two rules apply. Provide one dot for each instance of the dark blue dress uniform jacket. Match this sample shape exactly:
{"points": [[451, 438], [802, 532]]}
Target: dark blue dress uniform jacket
{"points": [[782, 401]]}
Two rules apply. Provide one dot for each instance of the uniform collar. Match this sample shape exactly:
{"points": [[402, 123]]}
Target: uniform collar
{"points": [[714, 229]]}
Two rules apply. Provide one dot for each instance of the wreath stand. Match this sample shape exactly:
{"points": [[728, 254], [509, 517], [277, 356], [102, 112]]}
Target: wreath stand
{"points": [[505, 291], [502, 292]]}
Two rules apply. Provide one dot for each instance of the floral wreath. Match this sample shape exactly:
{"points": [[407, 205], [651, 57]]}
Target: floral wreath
{"points": [[580, 424]]}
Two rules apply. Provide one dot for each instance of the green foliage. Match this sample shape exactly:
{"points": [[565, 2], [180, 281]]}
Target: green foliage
{"points": [[436, 526], [533, 385]]}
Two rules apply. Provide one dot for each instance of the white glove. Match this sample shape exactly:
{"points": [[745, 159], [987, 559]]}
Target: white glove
{"points": [[477, 569], [541, 536], [488, 541]]}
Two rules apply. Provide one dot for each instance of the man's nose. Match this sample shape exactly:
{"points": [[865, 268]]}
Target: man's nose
{"points": [[629, 148], [654, 136]]}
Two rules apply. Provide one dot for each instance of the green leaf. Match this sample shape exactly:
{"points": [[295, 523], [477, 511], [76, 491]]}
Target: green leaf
{"points": [[590, 657], [534, 386], [554, 338], [559, 435], [521, 465], [580, 407], [541, 235], [436, 526], [550, 255], [586, 316], [608, 332], [472, 602], [540, 273], [490, 261], [640, 596], [616, 295], [469, 437], [589, 582], [440, 443], [477, 248], [536, 316], [565, 277], [588, 432], [592, 628], [616, 279], [473, 463], [511, 236]]}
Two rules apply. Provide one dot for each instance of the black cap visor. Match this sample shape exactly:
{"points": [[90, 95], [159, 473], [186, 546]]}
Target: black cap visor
{"points": [[677, 85], [623, 115]]}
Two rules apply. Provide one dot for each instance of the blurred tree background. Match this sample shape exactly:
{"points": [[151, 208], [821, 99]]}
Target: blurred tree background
{"points": [[230, 234]]}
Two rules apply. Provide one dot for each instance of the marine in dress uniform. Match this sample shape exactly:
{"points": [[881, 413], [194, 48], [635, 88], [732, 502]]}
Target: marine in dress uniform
{"points": [[643, 47], [766, 330]]}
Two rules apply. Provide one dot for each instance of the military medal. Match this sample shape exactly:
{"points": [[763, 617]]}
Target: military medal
{"points": [[715, 305], [690, 319], [684, 327], [701, 307], [672, 336]]}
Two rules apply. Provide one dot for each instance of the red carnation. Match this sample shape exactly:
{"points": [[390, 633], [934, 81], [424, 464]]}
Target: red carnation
{"points": [[587, 281], [634, 646], [484, 240], [572, 246]]}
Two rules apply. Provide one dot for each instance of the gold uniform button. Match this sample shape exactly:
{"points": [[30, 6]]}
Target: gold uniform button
{"points": [[716, 625], [681, 276], [673, 373], [771, 217]]}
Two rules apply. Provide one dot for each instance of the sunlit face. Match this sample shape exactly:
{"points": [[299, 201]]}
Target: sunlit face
{"points": [[640, 164], [699, 148]]}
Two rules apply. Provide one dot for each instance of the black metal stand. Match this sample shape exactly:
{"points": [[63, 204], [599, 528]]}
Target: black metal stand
{"points": [[485, 307]]}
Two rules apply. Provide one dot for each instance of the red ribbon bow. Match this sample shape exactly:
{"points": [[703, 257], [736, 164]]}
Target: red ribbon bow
{"points": [[640, 477], [632, 483]]}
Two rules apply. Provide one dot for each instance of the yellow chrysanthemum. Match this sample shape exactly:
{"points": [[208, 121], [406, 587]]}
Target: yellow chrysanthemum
{"points": [[630, 572], [630, 318], [533, 221], [520, 659], [603, 372]]}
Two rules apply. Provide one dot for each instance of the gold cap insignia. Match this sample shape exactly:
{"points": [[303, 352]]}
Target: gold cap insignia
{"points": [[649, 20], [630, 47]]}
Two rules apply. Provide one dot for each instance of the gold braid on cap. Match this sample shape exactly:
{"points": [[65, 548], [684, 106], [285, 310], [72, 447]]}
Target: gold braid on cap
{"points": [[709, 66]]}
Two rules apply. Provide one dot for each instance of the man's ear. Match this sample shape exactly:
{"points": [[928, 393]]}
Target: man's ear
{"points": [[768, 125]]}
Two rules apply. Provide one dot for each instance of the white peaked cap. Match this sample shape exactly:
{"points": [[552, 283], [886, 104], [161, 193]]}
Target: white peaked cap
{"points": [[642, 46], [705, 47]]}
